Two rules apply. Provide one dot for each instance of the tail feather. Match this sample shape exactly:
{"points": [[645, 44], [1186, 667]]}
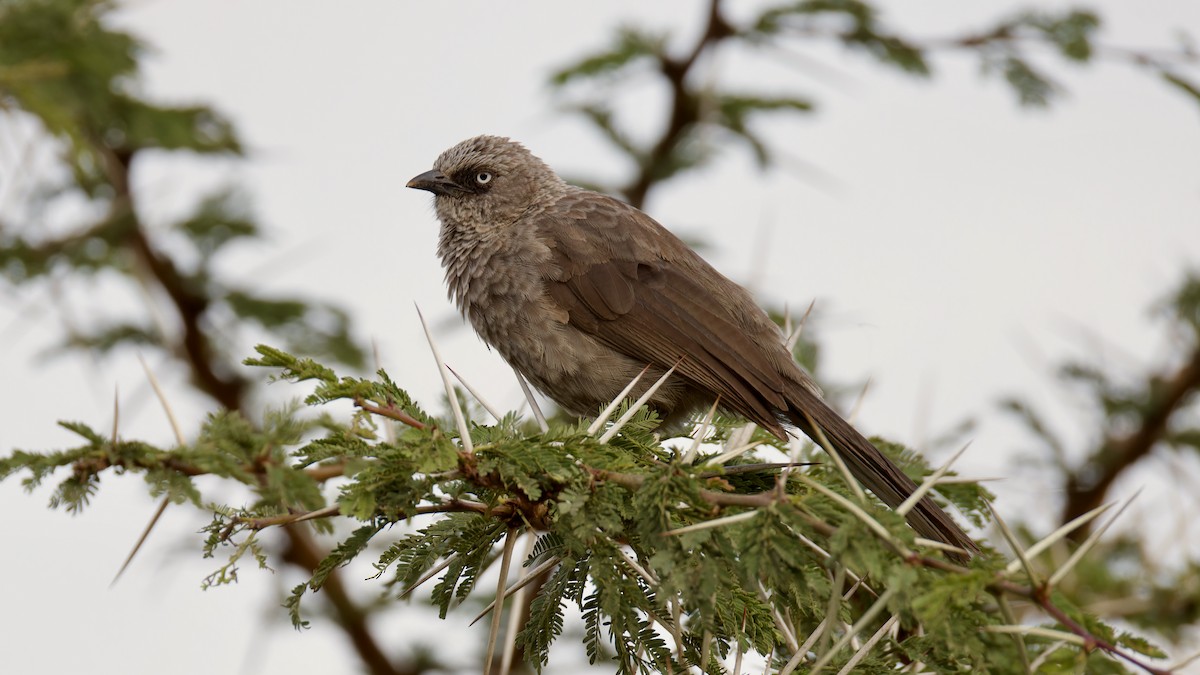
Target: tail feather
{"points": [[873, 469]]}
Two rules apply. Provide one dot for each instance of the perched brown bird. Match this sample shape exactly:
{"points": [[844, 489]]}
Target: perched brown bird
{"points": [[580, 292]]}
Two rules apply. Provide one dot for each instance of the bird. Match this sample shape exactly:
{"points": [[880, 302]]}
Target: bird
{"points": [[580, 292]]}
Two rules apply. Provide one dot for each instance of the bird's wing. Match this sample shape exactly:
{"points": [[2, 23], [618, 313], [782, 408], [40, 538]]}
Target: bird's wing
{"points": [[629, 283]]}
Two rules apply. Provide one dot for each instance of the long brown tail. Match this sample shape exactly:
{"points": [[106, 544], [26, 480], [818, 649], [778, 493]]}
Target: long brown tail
{"points": [[873, 469]]}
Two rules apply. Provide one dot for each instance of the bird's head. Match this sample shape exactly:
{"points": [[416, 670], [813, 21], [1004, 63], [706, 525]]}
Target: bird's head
{"points": [[486, 182]]}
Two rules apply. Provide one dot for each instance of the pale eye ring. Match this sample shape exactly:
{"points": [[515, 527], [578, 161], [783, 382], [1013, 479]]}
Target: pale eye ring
{"points": [[483, 178]]}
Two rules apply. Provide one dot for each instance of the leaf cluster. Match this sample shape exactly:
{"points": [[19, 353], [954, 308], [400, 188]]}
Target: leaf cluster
{"points": [[670, 563], [705, 113], [61, 62], [1139, 416], [65, 69]]}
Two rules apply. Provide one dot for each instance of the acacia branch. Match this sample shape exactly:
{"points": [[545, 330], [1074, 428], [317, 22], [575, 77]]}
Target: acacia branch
{"points": [[686, 108], [1000, 585], [1041, 598], [196, 349], [304, 552], [1086, 488], [187, 296], [94, 465]]}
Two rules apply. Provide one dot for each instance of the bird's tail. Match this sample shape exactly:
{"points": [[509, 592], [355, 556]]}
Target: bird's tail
{"points": [[873, 469]]}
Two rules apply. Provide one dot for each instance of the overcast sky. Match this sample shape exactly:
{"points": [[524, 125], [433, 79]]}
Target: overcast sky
{"points": [[956, 245]]}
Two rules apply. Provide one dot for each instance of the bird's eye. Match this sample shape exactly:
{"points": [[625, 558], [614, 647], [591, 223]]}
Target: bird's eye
{"points": [[483, 178]]}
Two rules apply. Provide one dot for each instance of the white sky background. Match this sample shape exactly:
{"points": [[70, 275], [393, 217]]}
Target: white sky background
{"points": [[957, 245]]}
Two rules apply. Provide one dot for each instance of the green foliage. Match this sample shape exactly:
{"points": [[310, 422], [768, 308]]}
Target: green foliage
{"points": [[61, 62], [1181, 83], [64, 67], [1032, 87], [341, 555], [666, 561], [1073, 32], [856, 24], [1183, 305], [630, 46], [699, 105], [734, 113], [1133, 415]]}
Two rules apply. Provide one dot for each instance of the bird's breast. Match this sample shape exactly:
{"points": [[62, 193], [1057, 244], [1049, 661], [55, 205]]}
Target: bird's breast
{"points": [[496, 281], [499, 284]]}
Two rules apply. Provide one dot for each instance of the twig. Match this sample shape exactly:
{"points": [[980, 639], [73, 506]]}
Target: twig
{"points": [[452, 506], [1087, 487], [391, 411]]}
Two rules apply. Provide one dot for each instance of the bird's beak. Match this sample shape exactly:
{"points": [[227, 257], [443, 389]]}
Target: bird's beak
{"points": [[436, 182]]}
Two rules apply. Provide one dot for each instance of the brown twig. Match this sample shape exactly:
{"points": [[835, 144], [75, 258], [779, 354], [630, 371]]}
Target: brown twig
{"points": [[324, 472], [1040, 596], [94, 465], [452, 506], [391, 411]]}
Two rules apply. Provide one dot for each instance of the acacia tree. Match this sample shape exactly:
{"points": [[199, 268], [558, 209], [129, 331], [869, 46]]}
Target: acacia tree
{"points": [[676, 558]]}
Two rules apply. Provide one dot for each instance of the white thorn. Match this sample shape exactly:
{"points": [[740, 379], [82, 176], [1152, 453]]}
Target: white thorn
{"points": [[930, 481], [1061, 532], [690, 455], [1089, 543], [459, 420], [533, 405], [637, 405], [612, 405]]}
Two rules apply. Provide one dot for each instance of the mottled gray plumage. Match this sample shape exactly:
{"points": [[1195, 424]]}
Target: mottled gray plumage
{"points": [[580, 292]]}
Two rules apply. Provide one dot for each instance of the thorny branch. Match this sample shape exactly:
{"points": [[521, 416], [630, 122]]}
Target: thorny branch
{"points": [[686, 109], [688, 106], [1000, 585], [530, 511], [1087, 486], [195, 346]]}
